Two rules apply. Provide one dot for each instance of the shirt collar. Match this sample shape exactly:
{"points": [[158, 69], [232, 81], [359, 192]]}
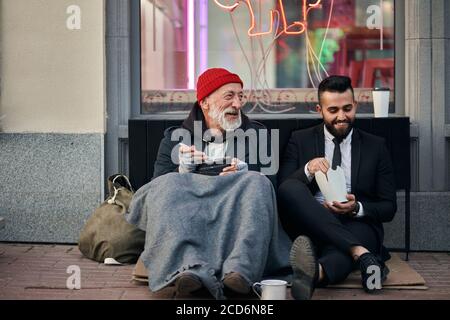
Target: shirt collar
{"points": [[330, 137]]}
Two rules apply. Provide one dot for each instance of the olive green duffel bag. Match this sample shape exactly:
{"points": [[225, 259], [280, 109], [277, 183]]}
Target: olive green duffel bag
{"points": [[106, 233]]}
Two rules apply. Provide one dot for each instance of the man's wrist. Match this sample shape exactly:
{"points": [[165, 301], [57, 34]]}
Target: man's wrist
{"points": [[356, 209]]}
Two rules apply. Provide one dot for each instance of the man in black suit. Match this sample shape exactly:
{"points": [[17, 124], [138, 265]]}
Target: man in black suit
{"points": [[334, 238]]}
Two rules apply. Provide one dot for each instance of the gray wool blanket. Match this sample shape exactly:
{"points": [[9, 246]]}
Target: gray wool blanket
{"points": [[210, 226]]}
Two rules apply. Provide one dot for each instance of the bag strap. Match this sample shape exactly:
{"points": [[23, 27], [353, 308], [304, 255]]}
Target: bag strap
{"points": [[126, 179], [116, 190]]}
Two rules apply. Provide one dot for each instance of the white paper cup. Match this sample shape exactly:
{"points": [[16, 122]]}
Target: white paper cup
{"points": [[270, 289], [381, 102]]}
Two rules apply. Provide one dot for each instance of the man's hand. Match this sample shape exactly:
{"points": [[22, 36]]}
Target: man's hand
{"points": [[236, 165], [346, 208], [318, 164], [189, 158]]}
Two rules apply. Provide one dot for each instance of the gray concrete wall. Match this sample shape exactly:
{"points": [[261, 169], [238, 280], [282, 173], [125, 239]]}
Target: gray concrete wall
{"points": [[447, 48], [50, 184], [52, 101], [430, 223], [427, 103], [118, 86], [426, 89]]}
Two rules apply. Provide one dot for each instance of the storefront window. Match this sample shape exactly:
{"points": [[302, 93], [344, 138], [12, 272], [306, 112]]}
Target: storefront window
{"points": [[282, 49]]}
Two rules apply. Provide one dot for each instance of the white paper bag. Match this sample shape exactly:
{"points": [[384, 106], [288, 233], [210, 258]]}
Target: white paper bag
{"points": [[333, 188]]}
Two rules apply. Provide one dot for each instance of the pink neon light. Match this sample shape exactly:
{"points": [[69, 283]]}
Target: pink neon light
{"points": [[315, 4], [230, 8], [191, 44], [286, 28], [311, 6], [250, 31], [203, 37], [382, 25]]}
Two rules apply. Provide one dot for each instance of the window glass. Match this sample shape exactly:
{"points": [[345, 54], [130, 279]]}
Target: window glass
{"points": [[282, 49]]}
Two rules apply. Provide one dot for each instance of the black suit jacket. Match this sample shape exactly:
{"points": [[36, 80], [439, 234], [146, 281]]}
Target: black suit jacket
{"points": [[373, 182]]}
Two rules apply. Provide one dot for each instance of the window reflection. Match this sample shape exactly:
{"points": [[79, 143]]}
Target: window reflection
{"points": [[181, 38]]}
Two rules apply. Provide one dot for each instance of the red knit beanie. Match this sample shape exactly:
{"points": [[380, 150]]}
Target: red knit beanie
{"points": [[212, 79]]}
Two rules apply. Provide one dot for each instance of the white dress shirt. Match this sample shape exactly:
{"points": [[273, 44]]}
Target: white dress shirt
{"points": [[346, 164], [216, 150]]}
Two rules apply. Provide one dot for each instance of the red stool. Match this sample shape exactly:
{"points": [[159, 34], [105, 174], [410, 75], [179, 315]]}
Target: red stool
{"points": [[355, 70], [386, 68]]}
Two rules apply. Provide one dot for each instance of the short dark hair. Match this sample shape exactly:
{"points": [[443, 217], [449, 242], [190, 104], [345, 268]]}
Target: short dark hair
{"points": [[335, 84]]}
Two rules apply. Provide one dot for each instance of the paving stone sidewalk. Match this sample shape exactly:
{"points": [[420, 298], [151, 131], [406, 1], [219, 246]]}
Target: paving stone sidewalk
{"points": [[32, 271]]}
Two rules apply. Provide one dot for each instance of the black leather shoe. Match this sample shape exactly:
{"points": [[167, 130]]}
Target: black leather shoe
{"points": [[370, 266], [306, 268]]}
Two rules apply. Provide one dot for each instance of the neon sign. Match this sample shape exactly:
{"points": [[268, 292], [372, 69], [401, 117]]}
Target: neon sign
{"points": [[295, 28]]}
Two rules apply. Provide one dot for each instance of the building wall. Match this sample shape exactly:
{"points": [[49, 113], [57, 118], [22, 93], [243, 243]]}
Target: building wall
{"points": [[52, 105], [51, 159], [52, 77], [427, 87]]}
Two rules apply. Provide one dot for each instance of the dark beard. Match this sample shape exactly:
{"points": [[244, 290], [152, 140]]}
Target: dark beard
{"points": [[338, 134]]}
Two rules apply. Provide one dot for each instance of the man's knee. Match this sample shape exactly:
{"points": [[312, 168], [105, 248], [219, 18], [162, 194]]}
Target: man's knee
{"points": [[261, 182], [292, 189], [172, 178]]}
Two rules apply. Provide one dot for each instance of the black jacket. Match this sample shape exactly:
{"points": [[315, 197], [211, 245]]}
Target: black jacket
{"points": [[373, 182], [164, 162]]}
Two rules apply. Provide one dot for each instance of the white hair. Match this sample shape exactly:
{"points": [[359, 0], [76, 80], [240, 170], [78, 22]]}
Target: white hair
{"points": [[219, 117]]}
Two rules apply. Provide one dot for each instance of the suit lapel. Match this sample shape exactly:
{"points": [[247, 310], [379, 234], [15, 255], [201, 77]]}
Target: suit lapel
{"points": [[320, 141], [356, 154], [319, 151]]}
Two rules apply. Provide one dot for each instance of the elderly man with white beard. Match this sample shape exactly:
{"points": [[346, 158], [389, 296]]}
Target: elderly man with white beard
{"points": [[215, 129], [215, 230]]}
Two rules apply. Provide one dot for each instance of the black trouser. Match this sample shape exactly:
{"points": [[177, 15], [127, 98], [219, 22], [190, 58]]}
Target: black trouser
{"points": [[332, 234]]}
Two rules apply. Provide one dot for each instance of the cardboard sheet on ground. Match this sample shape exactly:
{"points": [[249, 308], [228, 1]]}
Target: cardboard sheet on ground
{"points": [[401, 276], [332, 185]]}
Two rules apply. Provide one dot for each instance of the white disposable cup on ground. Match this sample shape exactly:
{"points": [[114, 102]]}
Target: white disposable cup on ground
{"points": [[270, 289], [381, 102]]}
